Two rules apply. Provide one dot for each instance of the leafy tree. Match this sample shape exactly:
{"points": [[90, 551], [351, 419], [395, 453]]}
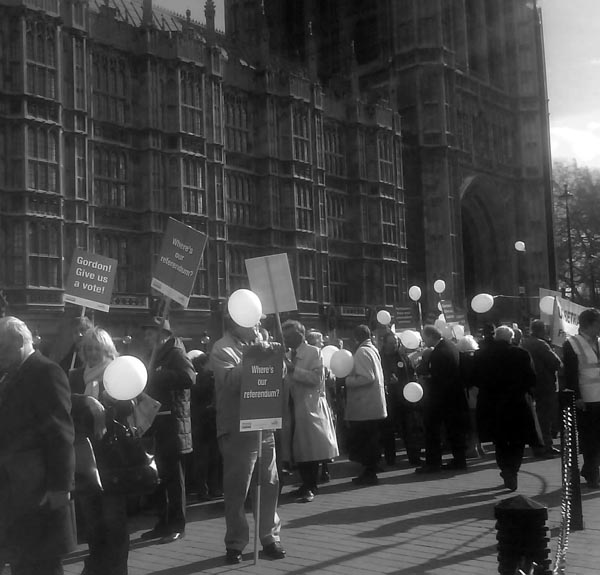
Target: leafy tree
{"points": [[580, 187]]}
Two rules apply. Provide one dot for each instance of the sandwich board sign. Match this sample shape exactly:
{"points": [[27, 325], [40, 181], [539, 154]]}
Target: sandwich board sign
{"points": [[271, 280], [91, 280], [177, 265], [261, 401]]}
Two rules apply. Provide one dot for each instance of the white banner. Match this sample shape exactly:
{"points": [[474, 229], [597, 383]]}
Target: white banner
{"points": [[564, 321]]}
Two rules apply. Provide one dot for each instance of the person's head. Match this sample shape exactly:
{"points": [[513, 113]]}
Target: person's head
{"points": [[467, 344], [538, 329], [16, 342], [431, 335], [157, 332], [314, 337], [97, 347], [504, 333], [79, 327], [199, 359], [487, 331], [361, 333], [390, 342], [589, 322], [293, 333]]}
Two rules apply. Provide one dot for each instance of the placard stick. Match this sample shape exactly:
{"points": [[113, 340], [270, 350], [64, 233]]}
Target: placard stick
{"points": [[258, 493], [163, 316], [73, 359]]}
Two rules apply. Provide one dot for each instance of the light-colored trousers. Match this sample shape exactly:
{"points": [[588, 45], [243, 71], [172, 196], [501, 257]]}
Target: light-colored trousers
{"points": [[240, 452]]}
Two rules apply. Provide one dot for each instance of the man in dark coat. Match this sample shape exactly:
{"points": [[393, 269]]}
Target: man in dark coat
{"points": [[170, 378], [546, 364], [445, 403], [37, 462], [506, 380]]}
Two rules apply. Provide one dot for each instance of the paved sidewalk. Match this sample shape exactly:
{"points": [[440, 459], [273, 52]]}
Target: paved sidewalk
{"points": [[406, 525]]}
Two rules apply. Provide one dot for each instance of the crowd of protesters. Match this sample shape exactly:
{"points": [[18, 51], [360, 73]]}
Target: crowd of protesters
{"points": [[491, 389]]}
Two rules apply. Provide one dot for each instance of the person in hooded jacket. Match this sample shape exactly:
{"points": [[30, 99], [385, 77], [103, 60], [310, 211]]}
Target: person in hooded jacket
{"points": [[170, 379]]}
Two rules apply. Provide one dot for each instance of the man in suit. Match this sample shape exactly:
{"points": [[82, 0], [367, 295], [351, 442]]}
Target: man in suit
{"points": [[240, 450], [37, 461], [445, 404]]}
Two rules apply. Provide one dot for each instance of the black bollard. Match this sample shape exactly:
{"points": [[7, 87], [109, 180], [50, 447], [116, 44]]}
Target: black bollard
{"points": [[522, 536]]}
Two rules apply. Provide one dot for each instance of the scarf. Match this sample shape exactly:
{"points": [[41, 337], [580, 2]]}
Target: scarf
{"points": [[92, 377]]}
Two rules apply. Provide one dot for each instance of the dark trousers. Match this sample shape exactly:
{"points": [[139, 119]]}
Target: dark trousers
{"points": [[363, 443], [546, 407], [309, 473], [107, 534], [589, 436], [509, 455], [170, 494], [46, 566], [454, 421]]}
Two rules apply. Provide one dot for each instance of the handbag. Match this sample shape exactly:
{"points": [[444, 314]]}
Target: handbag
{"points": [[125, 467], [87, 477]]}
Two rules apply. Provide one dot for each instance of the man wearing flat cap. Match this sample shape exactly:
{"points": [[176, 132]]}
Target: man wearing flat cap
{"points": [[170, 378]]}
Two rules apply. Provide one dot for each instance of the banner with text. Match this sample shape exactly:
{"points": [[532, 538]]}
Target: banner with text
{"points": [[90, 281], [177, 265], [564, 322], [261, 400], [271, 280]]}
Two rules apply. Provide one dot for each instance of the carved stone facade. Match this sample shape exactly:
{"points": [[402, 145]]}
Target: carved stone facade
{"points": [[116, 114]]}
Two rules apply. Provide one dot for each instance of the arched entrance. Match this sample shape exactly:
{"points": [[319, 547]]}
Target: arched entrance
{"points": [[489, 259]]}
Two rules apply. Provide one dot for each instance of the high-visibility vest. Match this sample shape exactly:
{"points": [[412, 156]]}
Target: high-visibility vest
{"points": [[589, 369]]}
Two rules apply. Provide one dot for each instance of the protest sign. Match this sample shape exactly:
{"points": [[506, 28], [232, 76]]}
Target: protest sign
{"points": [[177, 265], [271, 280], [564, 321], [90, 281], [261, 399], [405, 318]]}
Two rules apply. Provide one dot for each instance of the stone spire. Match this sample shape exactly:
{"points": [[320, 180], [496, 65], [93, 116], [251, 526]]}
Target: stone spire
{"points": [[209, 13]]}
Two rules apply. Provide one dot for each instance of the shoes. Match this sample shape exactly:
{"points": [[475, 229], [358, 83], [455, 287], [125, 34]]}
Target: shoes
{"points": [[274, 550], [455, 465], [366, 479], [172, 537], [233, 556], [510, 480], [306, 498], [424, 469], [156, 533]]}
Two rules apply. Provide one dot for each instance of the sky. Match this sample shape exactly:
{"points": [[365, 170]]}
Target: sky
{"points": [[572, 46]]}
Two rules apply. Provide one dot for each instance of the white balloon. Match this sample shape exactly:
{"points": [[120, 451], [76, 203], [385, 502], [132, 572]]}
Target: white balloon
{"points": [[482, 302], [440, 324], [410, 339], [414, 293], [384, 317], [125, 377], [244, 307], [547, 305], [327, 353], [439, 286], [447, 332], [342, 363], [412, 392], [520, 246], [439, 306]]}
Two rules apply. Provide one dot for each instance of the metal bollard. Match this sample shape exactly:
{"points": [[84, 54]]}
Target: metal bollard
{"points": [[522, 536]]}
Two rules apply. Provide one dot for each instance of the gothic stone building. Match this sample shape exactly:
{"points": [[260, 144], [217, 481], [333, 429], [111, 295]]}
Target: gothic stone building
{"points": [[282, 135]]}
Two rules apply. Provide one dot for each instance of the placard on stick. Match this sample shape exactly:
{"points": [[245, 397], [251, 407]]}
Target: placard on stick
{"points": [[271, 280], [261, 397], [91, 280], [177, 265]]}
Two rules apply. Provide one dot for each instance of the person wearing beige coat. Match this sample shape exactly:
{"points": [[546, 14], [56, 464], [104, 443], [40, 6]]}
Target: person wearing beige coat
{"points": [[311, 437], [365, 406]]}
